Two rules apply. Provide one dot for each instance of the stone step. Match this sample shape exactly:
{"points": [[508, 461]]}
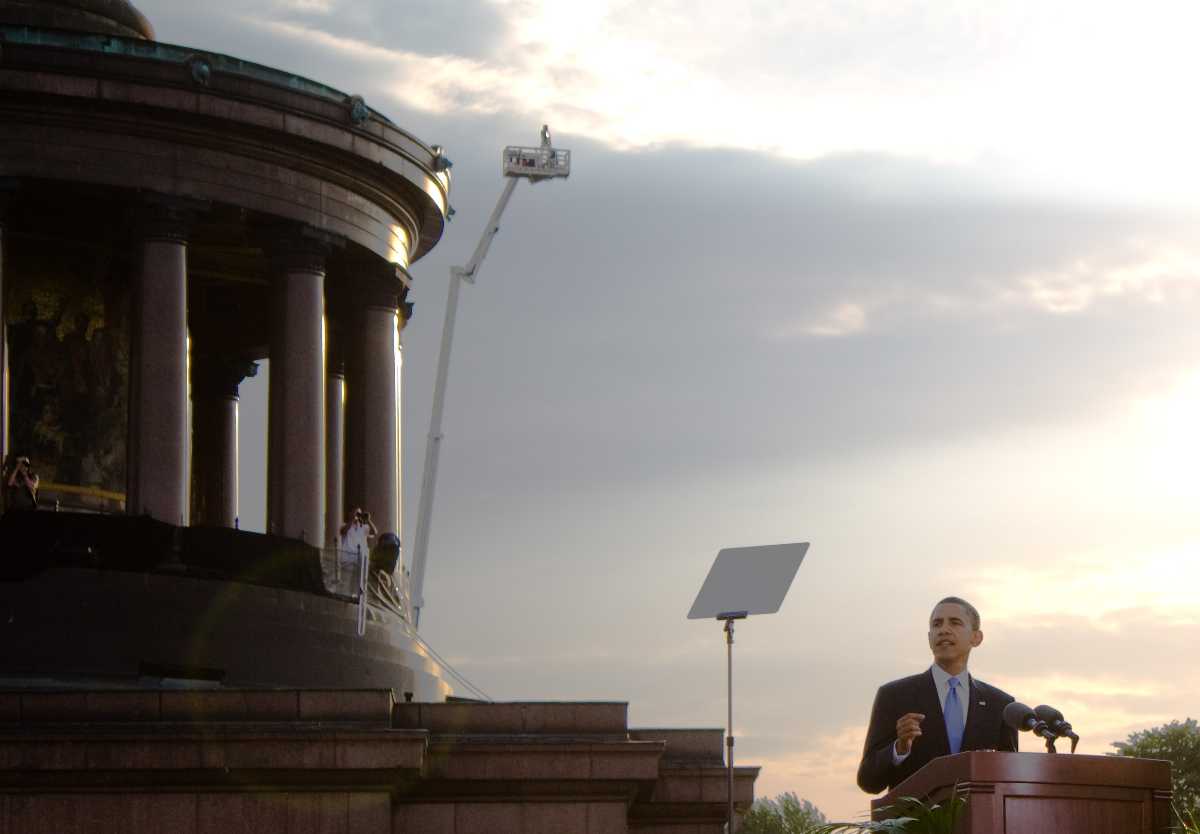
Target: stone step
{"points": [[367, 707], [517, 718]]}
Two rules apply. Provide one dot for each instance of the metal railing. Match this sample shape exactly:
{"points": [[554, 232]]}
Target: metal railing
{"points": [[348, 574], [53, 496]]}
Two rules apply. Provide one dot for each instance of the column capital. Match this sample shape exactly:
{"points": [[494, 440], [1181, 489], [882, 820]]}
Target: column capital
{"points": [[161, 217], [219, 376], [383, 284], [295, 247]]}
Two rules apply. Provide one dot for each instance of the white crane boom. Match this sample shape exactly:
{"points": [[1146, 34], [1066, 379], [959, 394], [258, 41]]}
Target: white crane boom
{"points": [[518, 163]]}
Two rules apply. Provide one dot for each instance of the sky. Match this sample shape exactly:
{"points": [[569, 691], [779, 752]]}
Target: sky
{"points": [[914, 281]]}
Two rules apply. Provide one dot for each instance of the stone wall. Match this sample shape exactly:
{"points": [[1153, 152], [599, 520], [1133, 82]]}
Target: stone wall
{"points": [[300, 761]]}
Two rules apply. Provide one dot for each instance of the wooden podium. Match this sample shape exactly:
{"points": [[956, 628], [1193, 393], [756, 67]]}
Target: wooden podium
{"points": [[1040, 793]]}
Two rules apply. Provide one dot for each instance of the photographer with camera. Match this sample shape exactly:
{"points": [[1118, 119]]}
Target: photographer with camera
{"points": [[20, 485], [356, 535]]}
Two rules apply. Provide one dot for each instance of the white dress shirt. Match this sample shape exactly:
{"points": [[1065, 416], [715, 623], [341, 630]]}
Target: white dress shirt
{"points": [[941, 680], [357, 535]]}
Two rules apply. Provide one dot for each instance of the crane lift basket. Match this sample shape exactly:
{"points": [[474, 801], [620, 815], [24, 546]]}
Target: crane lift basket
{"points": [[537, 163]]}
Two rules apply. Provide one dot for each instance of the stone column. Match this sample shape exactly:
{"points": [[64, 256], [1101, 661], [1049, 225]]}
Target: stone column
{"points": [[335, 444], [4, 407], [215, 381], [373, 448], [158, 417], [296, 447], [7, 189], [276, 371]]}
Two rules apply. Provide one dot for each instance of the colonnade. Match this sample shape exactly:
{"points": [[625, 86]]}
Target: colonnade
{"points": [[336, 423], [3, 351], [325, 418], [215, 406], [7, 188]]}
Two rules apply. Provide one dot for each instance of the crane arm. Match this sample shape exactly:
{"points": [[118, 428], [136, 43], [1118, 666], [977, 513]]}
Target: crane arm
{"points": [[458, 274]]}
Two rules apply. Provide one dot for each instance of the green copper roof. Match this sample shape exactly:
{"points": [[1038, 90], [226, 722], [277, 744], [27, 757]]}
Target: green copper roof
{"points": [[157, 51]]}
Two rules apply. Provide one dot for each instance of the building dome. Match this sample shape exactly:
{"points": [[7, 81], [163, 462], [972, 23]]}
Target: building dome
{"points": [[101, 17]]}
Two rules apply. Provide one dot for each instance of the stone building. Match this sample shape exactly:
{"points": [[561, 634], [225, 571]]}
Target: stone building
{"points": [[170, 217]]}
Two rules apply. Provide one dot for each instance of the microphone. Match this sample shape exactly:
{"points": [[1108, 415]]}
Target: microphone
{"points": [[1055, 721], [1021, 718]]}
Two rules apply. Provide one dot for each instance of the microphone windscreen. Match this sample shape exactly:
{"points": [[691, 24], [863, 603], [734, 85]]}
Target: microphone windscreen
{"points": [[1048, 714], [1019, 716]]}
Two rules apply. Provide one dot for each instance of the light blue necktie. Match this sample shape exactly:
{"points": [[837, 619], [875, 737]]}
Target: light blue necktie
{"points": [[954, 717]]}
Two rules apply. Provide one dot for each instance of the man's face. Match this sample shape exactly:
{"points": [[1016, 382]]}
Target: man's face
{"points": [[951, 637]]}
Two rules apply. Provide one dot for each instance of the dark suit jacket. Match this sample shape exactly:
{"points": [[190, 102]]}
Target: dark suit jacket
{"points": [[985, 728]]}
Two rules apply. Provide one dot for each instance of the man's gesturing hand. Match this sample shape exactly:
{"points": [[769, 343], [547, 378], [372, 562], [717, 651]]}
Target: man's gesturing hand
{"points": [[907, 729]]}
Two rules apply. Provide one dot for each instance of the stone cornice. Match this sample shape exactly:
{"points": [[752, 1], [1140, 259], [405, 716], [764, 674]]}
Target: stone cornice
{"points": [[156, 99]]}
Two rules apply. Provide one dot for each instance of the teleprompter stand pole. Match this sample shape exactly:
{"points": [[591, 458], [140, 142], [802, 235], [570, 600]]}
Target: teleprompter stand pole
{"points": [[744, 581], [728, 617]]}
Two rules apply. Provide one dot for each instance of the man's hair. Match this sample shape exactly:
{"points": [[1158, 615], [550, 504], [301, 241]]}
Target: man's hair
{"points": [[968, 607]]}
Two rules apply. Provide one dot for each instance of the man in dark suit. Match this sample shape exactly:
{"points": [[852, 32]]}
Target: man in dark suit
{"points": [[941, 711]]}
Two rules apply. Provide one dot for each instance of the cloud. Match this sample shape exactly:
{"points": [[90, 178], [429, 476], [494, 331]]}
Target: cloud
{"points": [[980, 84], [842, 320], [1105, 588], [678, 300], [433, 83], [1082, 665], [320, 7], [1153, 273], [463, 28], [802, 83]]}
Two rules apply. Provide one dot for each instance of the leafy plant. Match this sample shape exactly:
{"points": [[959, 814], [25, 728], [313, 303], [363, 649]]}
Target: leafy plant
{"points": [[912, 816], [1189, 820], [1178, 743], [785, 814]]}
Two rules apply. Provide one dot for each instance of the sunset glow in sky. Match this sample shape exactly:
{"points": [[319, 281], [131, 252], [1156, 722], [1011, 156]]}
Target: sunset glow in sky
{"points": [[917, 281]]}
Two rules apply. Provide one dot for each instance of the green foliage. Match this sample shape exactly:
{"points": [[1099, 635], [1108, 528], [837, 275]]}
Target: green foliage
{"points": [[1189, 821], [912, 817], [1178, 743], [785, 814]]}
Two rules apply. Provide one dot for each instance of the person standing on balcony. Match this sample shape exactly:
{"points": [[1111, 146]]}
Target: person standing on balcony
{"points": [[355, 536], [20, 485]]}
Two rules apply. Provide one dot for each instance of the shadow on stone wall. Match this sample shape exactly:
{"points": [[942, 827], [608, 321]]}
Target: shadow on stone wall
{"points": [[68, 352], [35, 541]]}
